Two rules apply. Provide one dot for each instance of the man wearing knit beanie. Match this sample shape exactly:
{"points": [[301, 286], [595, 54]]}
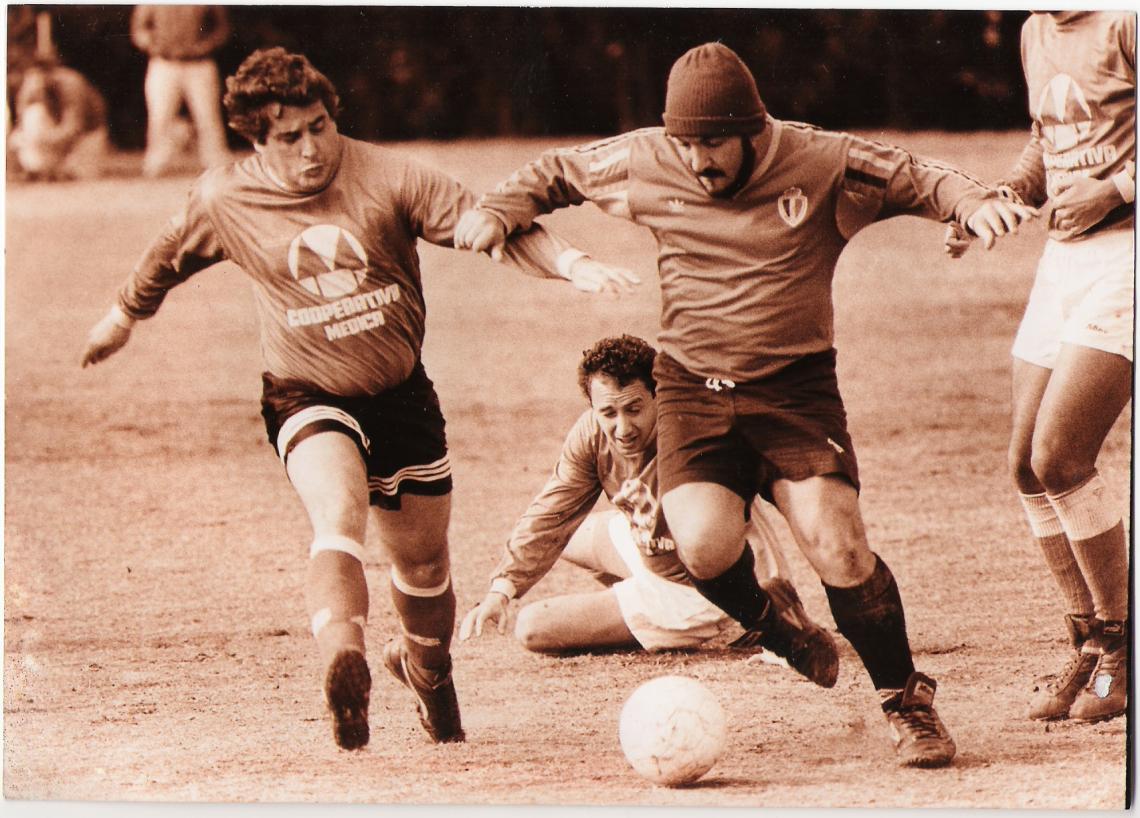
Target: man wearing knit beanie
{"points": [[750, 214]]}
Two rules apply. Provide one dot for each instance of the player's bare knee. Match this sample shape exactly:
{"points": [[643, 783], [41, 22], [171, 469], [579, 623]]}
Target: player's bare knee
{"points": [[1057, 468], [422, 574], [530, 630]]}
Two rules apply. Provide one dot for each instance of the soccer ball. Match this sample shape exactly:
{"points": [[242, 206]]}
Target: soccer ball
{"points": [[672, 730]]}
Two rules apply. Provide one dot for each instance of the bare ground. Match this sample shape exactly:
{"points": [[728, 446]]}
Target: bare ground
{"points": [[156, 645]]}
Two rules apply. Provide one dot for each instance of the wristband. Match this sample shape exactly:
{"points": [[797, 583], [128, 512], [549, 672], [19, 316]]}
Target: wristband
{"points": [[121, 318], [566, 260], [1126, 185], [502, 585]]}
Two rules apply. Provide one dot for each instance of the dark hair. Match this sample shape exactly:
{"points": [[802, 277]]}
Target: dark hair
{"points": [[625, 358], [271, 76]]}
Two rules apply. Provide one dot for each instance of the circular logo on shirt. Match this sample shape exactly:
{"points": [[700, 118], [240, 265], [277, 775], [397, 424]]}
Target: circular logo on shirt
{"points": [[328, 261], [1065, 115]]}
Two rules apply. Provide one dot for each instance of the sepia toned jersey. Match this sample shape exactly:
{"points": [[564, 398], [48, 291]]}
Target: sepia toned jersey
{"points": [[1080, 69], [745, 281], [335, 273], [589, 466]]}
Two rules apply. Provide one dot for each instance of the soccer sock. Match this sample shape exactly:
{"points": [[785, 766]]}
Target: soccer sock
{"points": [[1050, 536], [1097, 537], [737, 593], [428, 618], [870, 616], [336, 595]]}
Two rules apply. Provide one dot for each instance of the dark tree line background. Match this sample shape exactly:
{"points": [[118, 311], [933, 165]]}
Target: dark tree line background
{"points": [[408, 72]]}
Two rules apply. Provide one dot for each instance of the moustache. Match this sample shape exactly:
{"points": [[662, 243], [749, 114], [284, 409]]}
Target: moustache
{"points": [[711, 173]]}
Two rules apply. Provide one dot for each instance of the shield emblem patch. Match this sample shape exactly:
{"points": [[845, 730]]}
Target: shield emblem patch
{"points": [[793, 206]]}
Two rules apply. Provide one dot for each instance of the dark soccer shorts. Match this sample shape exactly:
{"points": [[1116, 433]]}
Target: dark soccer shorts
{"points": [[745, 436], [400, 432]]}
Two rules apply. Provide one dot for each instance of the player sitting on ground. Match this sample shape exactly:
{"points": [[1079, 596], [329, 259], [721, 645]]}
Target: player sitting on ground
{"points": [[650, 601]]}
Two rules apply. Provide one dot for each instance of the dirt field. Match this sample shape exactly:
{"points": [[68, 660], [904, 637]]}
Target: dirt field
{"points": [[156, 642]]}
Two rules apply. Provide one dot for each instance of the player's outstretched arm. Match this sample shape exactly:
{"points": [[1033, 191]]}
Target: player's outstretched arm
{"points": [[996, 218], [493, 609], [108, 336]]}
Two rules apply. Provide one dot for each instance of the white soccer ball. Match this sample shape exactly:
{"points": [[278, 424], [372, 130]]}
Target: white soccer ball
{"points": [[672, 730]]}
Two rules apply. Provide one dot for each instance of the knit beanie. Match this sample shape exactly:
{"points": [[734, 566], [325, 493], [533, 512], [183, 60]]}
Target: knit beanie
{"points": [[711, 92]]}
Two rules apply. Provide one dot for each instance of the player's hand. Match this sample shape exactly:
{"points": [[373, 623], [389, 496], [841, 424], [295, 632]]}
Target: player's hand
{"points": [[482, 233], [1081, 202], [957, 240], [105, 339], [592, 276], [997, 217], [493, 608]]}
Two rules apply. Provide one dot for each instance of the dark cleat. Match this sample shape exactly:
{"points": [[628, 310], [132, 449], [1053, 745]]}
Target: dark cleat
{"points": [[788, 632], [347, 688], [436, 702]]}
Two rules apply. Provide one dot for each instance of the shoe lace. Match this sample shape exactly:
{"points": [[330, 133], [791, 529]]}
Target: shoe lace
{"points": [[1107, 663], [920, 722], [1055, 681]]}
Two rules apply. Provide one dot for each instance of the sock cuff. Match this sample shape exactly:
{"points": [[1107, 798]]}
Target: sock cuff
{"points": [[1042, 517], [408, 589], [1083, 511], [337, 542]]}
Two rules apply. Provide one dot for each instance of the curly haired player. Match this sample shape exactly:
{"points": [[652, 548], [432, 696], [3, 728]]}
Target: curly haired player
{"points": [[650, 602], [750, 214], [326, 227]]}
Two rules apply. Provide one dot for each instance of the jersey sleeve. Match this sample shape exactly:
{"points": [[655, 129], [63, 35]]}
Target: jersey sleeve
{"points": [[598, 172], [545, 528], [1027, 178], [188, 245], [880, 181], [436, 202]]}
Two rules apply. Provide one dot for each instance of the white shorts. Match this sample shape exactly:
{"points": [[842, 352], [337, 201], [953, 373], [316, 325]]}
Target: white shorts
{"points": [[660, 614], [1082, 295]]}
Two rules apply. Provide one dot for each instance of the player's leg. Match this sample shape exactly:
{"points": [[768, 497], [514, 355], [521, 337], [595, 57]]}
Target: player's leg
{"points": [[203, 99], [573, 622], [1053, 695], [1086, 394], [327, 472], [163, 93], [705, 472], [824, 517], [415, 539], [592, 548]]}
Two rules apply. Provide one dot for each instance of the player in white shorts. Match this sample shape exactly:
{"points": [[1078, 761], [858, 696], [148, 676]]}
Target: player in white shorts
{"points": [[1072, 358], [649, 601]]}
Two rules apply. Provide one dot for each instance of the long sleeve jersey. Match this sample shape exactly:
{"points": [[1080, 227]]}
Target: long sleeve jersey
{"points": [[1080, 69], [179, 32], [335, 273], [745, 281], [589, 466]]}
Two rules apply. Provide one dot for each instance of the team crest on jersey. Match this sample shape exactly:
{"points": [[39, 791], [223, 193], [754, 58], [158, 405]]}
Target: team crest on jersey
{"points": [[676, 206], [1065, 114], [793, 206], [328, 261]]}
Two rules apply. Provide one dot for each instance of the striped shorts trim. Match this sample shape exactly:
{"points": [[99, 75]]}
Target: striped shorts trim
{"points": [[316, 414]]}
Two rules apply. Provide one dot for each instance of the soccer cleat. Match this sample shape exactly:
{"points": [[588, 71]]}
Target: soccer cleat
{"points": [[919, 736], [1105, 695], [1054, 695], [347, 687], [787, 632], [436, 703]]}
